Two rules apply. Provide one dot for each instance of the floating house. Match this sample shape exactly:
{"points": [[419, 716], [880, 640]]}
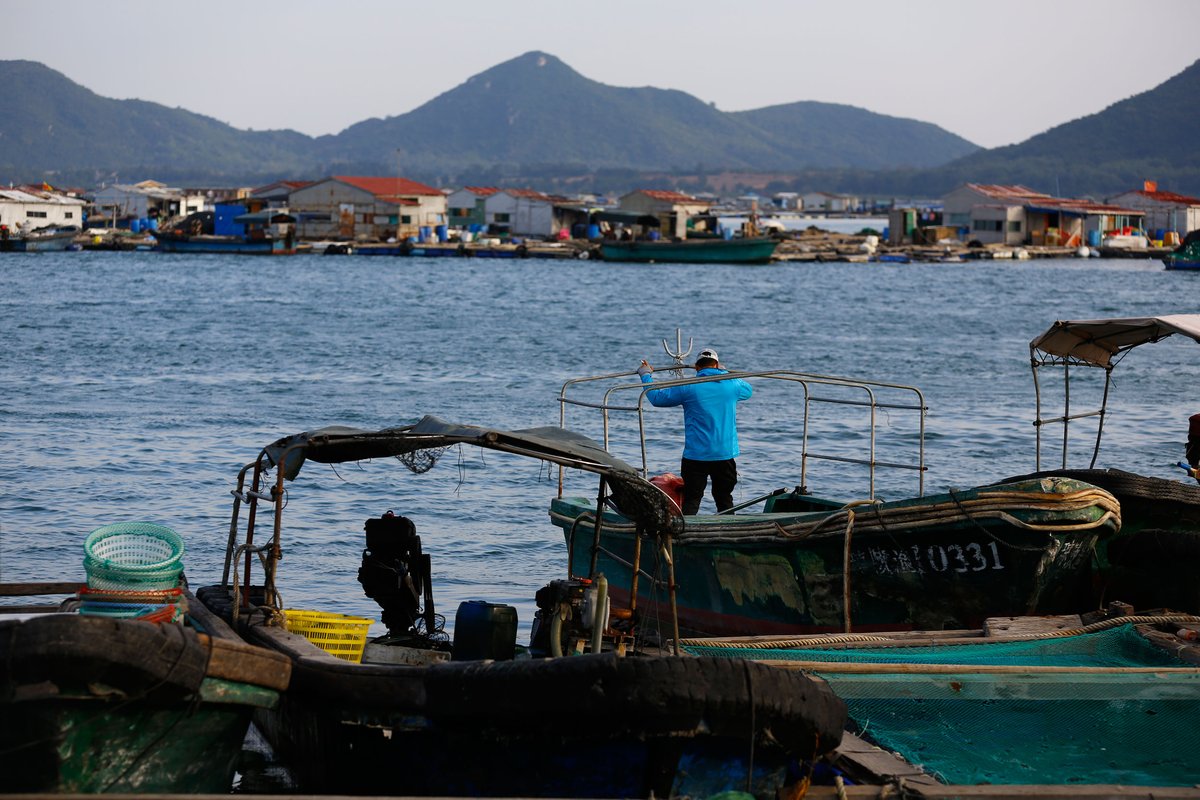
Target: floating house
{"points": [[467, 208], [1165, 211], [827, 203], [1016, 215], [673, 209], [147, 200], [275, 195], [29, 209], [367, 208]]}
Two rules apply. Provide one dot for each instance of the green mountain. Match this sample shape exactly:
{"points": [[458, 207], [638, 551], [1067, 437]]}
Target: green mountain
{"points": [[530, 115], [535, 110], [535, 120], [835, 135], [50, 125], [1151, 135]]}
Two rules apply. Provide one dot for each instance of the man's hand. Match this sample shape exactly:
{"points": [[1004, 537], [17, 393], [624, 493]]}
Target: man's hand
{"points": [[644, 368]]}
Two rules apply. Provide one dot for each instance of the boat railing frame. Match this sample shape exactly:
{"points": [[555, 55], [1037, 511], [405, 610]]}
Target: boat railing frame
{"points": [[1039, 360], [806, 382]]}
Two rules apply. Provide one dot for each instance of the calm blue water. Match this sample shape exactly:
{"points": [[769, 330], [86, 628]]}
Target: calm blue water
{"points": [[133, 386]]}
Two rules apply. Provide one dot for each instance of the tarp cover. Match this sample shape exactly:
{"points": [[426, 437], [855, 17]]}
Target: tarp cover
{"points": [[1096, 341], [625, 218], [635, 496]]}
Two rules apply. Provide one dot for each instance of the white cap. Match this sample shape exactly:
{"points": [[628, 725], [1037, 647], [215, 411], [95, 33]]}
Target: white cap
{"points": [[708, 352]]}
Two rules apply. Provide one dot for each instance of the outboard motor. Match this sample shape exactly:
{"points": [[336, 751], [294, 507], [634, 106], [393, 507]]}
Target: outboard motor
{"points": [[396, 575]]}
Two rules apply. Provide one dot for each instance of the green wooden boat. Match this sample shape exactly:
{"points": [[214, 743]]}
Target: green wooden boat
{"points": [[748, 250], [104, 704], [794, 562], [933, 562], [1151, 563]]}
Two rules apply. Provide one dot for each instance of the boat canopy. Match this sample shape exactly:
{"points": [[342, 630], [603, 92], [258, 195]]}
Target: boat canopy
{"points": [[635, 496], [1098, 341], [265, 217]]}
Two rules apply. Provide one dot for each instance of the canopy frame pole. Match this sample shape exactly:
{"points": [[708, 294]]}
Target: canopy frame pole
{"points": [[633, 581], [1103, 410], [233, 523], [255, 487], [1066, 410], [1037, 414], [597, 528]]}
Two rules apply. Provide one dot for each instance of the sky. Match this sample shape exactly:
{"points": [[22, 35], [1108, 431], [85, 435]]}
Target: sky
{"points": [[995, 73]]}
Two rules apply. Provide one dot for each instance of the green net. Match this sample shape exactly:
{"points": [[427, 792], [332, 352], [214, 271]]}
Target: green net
{"points": [[1131, 717]]}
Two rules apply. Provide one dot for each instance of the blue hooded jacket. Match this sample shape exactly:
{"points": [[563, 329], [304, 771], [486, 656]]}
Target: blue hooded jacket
{"points": [[709, 413]]}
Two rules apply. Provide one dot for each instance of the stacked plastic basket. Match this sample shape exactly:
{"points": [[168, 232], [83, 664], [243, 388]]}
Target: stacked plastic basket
{"points": [[133, 570]]}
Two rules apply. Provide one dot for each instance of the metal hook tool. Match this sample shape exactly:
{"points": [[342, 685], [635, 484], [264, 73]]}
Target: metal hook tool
{"points": [[680, 354]]}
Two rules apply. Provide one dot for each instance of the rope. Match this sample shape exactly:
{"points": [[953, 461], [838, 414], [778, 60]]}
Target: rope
{"points": [[852, 638]]}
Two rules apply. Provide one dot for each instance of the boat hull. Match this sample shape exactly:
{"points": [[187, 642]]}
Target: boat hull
{"points": [[1151, 562], [701, 251], [94, 704], [926, 565], [581, 726], [235, 245], [52, 243]]}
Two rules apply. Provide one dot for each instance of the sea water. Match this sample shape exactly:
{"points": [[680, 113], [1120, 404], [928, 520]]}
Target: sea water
{"points": [[134, 386]]}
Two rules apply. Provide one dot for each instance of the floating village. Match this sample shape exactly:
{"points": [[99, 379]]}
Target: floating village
{"points": [[391, 216], [1033, 636]]}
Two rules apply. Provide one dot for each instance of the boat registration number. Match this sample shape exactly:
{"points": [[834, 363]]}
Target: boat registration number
{"points": [[968, 557]]}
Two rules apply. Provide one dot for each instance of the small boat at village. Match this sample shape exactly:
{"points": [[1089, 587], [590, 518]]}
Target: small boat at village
{"points": [[53, 238], [1096, 705], [1186, 256], [266, 232], [1150, 564], [715, 250], [95, 702], [413, 713], [801, 563]]}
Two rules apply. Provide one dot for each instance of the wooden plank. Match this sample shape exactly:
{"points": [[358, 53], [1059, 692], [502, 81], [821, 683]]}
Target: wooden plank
{"points": [[27, 589], [238, 661], [1030, 626], [856, 668]]}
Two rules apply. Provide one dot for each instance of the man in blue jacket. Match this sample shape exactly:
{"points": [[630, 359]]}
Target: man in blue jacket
{"points": [[710, 442]]}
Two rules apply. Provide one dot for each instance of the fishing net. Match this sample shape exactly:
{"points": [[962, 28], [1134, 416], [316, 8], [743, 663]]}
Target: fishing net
{"points": [[1010, 715]]}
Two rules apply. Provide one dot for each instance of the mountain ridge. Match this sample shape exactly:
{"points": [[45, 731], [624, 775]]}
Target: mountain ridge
{"points": [[534, 120]]}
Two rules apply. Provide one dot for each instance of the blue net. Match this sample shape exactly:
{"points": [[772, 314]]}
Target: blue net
{"points": [[1133, 717]]}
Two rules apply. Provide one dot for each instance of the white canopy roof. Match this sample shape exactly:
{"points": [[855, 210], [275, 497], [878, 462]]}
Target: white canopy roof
{"points": [[1096, 341]]}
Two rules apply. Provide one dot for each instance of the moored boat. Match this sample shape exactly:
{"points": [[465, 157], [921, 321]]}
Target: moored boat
{"points": [[738, 250], [420, 715], [805, 563], [55, 238], [265, 232], [1061, 706], [938, 561], [96, 703], [1150, 564], [1186, 256]]}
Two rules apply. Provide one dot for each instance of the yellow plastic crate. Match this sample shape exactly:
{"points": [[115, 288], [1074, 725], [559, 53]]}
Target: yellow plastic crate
{"points": [[339, 635]]}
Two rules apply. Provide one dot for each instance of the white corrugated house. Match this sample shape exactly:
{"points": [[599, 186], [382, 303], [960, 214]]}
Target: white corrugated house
{"points": [[28, 210]]}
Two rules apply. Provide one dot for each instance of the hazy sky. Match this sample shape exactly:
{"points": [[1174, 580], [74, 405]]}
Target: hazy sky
{"points": [[993, 72]]}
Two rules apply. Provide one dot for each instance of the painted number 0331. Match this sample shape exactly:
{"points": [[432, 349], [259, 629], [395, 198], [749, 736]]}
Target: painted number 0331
{"points": [[971, 557]]}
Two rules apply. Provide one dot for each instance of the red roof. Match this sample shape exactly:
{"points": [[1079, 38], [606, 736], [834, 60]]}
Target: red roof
{"points": [[482, 191], [389, 187], [1006, 192], [669, 197], [1170, 197]]}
